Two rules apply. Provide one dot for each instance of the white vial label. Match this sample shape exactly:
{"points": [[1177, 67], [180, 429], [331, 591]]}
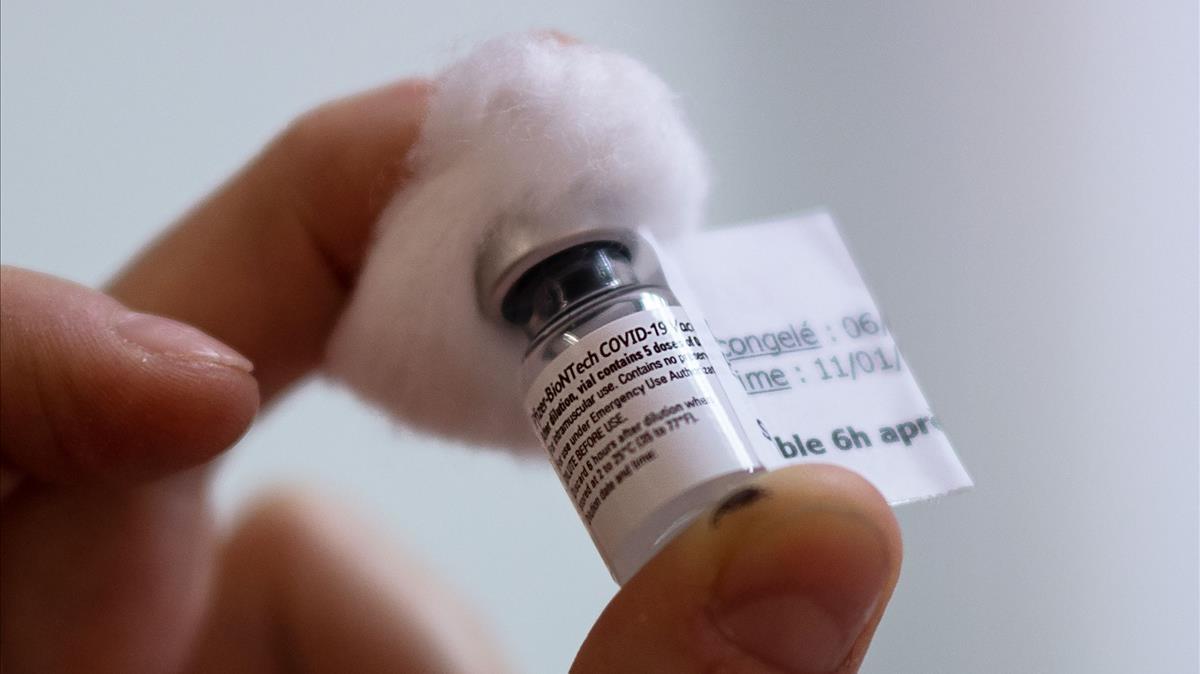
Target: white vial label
{"points": [[640, 431]]}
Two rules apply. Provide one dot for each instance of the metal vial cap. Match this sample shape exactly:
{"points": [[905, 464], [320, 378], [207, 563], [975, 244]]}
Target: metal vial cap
{"points": [[515, 245]]}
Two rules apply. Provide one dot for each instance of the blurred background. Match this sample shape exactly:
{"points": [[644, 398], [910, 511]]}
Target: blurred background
{"points": [[1018, 180]]}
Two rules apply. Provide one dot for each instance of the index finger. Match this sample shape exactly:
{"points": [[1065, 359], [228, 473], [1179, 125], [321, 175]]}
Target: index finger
{"points": [[266, 262]]}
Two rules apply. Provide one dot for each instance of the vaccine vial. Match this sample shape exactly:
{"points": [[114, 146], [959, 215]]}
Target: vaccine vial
{"points": [[621, 390]]}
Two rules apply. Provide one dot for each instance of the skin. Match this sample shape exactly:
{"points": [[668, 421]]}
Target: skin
{"points": [[110, 561]]}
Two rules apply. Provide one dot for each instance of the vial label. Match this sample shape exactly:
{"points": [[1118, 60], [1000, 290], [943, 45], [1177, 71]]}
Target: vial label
{"points": [[634, 417]]}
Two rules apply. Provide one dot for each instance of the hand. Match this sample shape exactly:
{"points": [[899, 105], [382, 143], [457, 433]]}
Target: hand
{"points": [[109, 413]]}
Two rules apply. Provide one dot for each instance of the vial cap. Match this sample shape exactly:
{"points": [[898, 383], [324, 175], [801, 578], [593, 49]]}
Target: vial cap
{"points": [[515, 245]]}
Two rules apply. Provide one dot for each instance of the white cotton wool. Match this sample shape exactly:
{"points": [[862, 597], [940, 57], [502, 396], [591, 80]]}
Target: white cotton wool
{"points": [[524, 127]]}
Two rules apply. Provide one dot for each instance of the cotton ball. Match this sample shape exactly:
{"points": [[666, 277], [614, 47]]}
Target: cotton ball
{"points": [[526, 128]]}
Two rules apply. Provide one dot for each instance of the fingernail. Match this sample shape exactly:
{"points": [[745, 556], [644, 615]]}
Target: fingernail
{"points": [[802, 603], [167, 337]]}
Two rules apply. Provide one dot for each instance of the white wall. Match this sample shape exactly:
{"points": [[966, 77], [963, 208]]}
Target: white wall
{"points": [[1018, 179]]}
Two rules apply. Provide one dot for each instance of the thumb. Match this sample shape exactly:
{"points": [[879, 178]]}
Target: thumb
{"points": [[90, 389], [791, 573]]}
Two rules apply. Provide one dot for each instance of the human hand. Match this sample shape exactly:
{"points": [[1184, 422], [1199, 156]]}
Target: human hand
{"points": [[107, 417]]}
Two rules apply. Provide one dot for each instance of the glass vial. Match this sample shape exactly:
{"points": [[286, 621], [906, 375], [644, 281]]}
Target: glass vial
{"points": [[623, 394]]}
